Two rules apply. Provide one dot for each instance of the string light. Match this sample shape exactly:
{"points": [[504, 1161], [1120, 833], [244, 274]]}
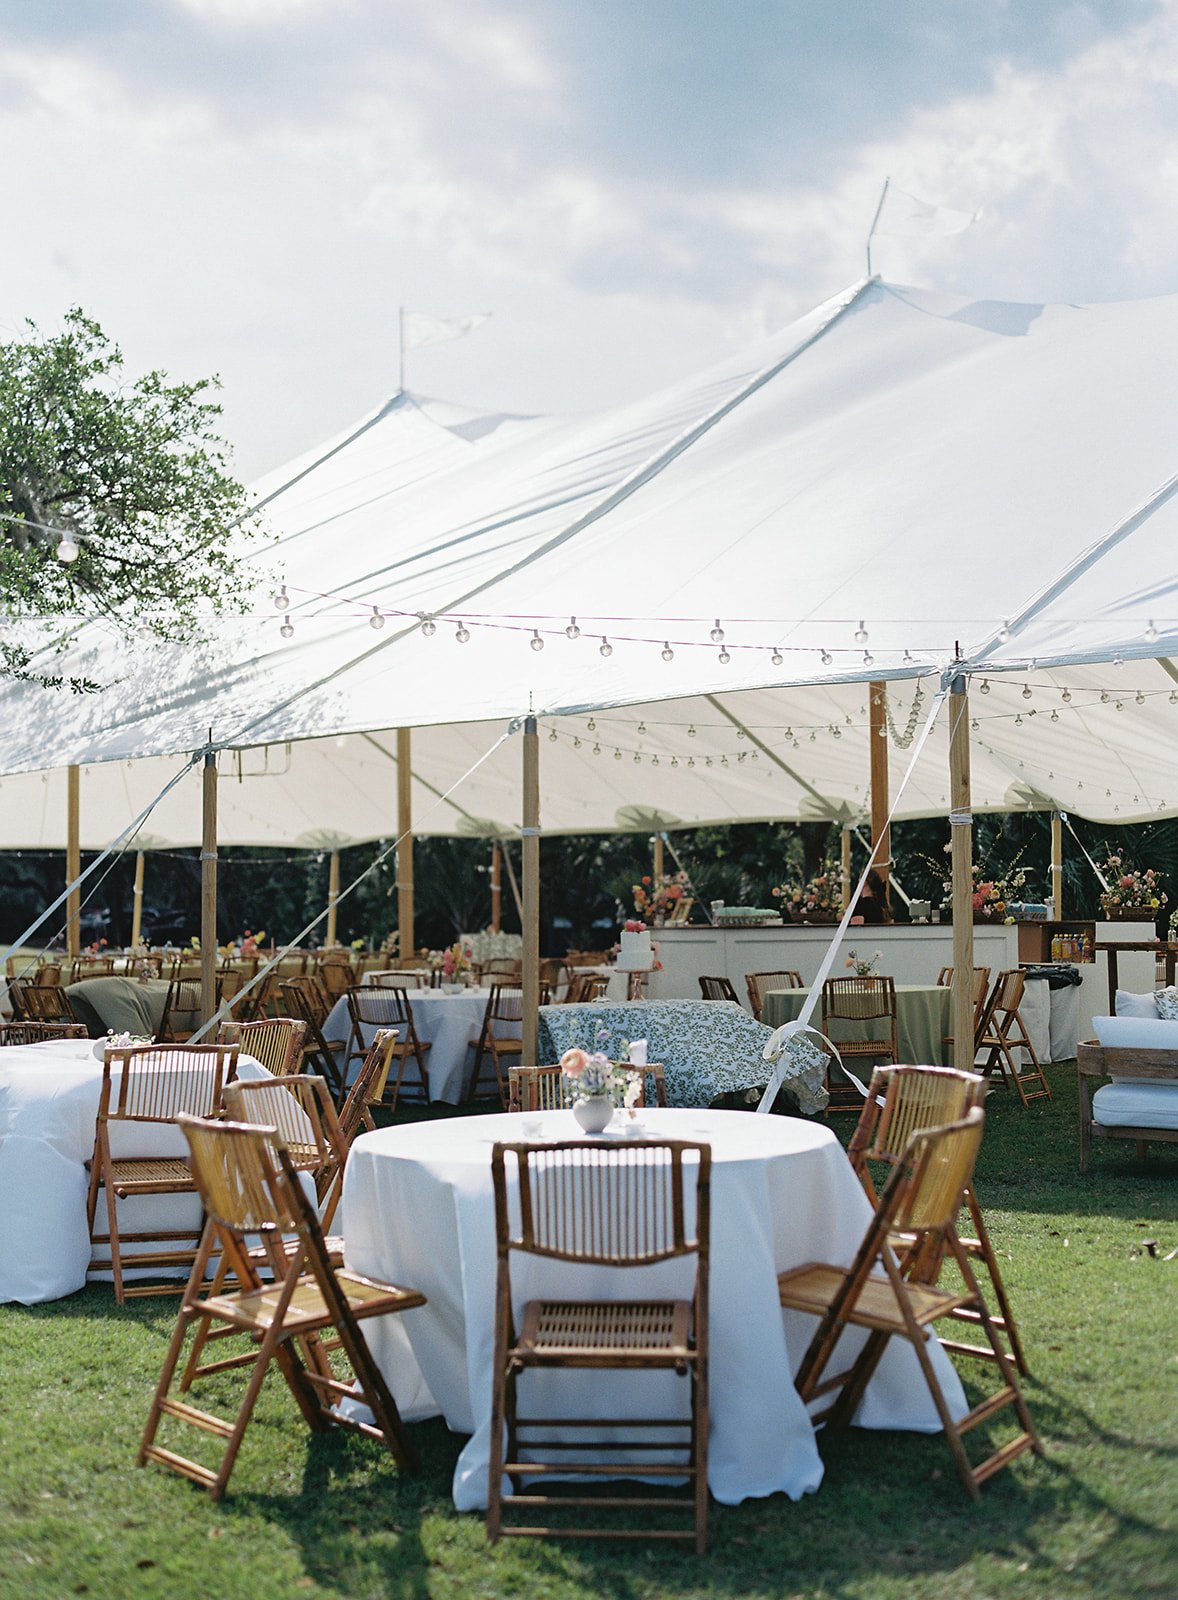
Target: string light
{"points": [[861, 633], [282, 600], [973, 727], [717, 633], [724, 658], [287, 628], [1004, 631], [536, 642], [67, 550], [1066, 696], [572, 631], [1140, 698], [1018, 721], [462, 634], [1117, 662], [777, 658], [868, 659], [376, 621], [826, 658], [1104, 697], [591, 726], [908, 660], [1151, 631], [617, 755], [596, 748], [1054, 714], [984, 686], [691, 729], [605, 648], [428, 626], [1026, 691], [667, 653], [642, 727], [552, 737]]}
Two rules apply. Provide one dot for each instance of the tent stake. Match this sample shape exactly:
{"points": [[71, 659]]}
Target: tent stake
{"points": [[531, 894], [961, 834], [73, 862]]}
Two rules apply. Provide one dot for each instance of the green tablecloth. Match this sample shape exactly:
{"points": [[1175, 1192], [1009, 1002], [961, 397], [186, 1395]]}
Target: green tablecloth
{"points": [[119, 1005], [923, 1020]]}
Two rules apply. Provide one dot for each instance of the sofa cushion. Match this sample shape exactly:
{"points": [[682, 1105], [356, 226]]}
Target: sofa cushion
{"points": [[1128, 1004], [1136, 1103], [1136, 1033]]}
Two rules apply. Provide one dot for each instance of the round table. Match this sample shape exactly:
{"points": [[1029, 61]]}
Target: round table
{"points": [[924, 1020], [418, 1209], [449, 1023], [48, 1107]]}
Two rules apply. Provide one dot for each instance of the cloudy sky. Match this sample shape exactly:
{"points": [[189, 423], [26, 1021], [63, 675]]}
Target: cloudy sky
{"points": [[631, 187]]}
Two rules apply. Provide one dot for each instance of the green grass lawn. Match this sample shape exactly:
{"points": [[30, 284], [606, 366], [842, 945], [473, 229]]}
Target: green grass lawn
{"points": [[331, 1515]]}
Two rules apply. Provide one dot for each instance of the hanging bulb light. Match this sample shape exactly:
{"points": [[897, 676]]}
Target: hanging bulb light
{"points": [[572, 631], [741, 734], [535, 641], [984, 686], [1151, 631], [907, 659], [591, 726], [605, 648], [1026, 691], [868, 659], [691, 761], [462, 634], [1054, 714], [654, 760], [1066, 696], [882, 731], [861, 633], [1018, 721], [637, 759], [724, 658], [717, 633], [667, 653], [67, 551], [691, 731], [777, 658], [428, 626], [552, 736], [596, 748], [674, 761], [826, 658], [376, 621], [1117, 662], [287, 628], [1139, 697], [1104, 697], [617, 755], [973, 727], [1004, 631], [282, 600]]}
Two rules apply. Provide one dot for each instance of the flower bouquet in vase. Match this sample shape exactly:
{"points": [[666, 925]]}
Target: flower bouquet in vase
{"points": [[863, 966], [590, 1075], [1132, 895], [455, 967]]}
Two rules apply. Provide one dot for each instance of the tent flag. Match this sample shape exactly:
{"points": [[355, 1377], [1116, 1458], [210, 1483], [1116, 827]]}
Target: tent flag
{"points": [[906, 216], [419, 330]]}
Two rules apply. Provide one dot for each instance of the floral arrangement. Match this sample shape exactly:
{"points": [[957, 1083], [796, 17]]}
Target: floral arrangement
{"points": [[123, 1041], [657, 901], [591, 1072], [357, 945], [96, 948], [991, 894], [1131, 889], [455, 961], [251, 942], [863, 966], [823, 892]]}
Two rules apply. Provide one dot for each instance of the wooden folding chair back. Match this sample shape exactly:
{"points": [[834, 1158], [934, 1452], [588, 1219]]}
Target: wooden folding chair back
{"points": [[922, 1198], [548, 1089], [369, 1086], [403, 977], [386, 1006], [182, 1003], [505, 1007], [1005, 1034], [316, 1003], [250, 1186], [83, 967], [47, 974], [759, 984], [300, 999], [300, 1108], [981, 983], [276, 1043], [586, 986], [717, 989], [610, 1206], [40, 1032], [872, 1003], [503, 967], [901, 1103], [337, 975], [35, 1002], [155, 1083]]}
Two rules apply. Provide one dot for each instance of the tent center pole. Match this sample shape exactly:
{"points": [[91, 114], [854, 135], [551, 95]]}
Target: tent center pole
{"points": [[1056, 866], [496, 887], [137, 902], [531, 894], [208, 888], [881, 834], [332, 896], [961, 835], [406, 944], [73, 861]]}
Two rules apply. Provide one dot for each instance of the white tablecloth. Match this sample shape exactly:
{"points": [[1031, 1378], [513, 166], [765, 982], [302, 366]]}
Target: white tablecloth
{"points": [[450, 1023], [420, 1211], [48, 1106]]}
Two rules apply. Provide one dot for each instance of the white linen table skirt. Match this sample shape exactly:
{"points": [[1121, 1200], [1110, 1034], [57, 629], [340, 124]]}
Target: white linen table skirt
{"points": [[419, 1211], [48, 1107], [449, 1023]]}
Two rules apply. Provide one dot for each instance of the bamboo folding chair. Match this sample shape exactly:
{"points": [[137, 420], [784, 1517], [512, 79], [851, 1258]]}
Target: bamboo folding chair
{"points": [[15, 1033], [407, 977], [718, 989], [872, 1002], [586, 986], [301, 997], [250, 1186], [40, 1002], [368, 1087], [1006, 1033], [156, 1084], [182, 1003], [83, 967], [548, 1089], [386, 1005], [981, 982], [337, 975], [610, 1206], [901, 1102], [300, 1109], [276, 1043], [759, 984], [505, 1005], [920, 1202]]}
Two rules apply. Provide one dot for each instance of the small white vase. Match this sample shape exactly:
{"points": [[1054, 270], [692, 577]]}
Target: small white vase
{"points": [[594, 1113]]}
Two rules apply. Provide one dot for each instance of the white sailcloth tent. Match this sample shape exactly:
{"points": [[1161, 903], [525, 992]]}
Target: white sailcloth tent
{"points": [[897, 482]]}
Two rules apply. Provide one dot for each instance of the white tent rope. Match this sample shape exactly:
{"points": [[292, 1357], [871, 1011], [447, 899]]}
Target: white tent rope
{"points": [[226, 1006], [123, 838], [1100, 877], [815, 991]]}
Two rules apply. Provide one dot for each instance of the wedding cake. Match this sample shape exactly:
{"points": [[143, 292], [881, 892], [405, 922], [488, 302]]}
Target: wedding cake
{"points": [[636, 954]]}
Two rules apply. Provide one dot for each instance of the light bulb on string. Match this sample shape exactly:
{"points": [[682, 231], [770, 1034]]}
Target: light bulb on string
{"points": [[1104, 697], [717, 633], [1120, 705], [617, 755], [1117, 662], [724, 658], [654, 760], [376, 621], [576, 741], [591, 726], [868, 659], [1139, 698], [596, 748], [861, 634], [605, 648], [642, 727], [984, 686], [1174, 697], [1018, 721], [1054, 714], [1026, 691], [428, 626], [973, 727], [552, 736], [637, 759], [1004, 632], [674, 761], [536, 641], [282, 600], [667, 653], [691, 731], [287, 628], [826, 658], [691, 761], [881, 731], [462, 634], [777, 658], [907, 659], [741, 734], [1151, 631], [1066, 696], [572, 631]]}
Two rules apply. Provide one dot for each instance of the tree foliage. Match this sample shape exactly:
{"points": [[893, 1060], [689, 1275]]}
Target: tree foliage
{"points": [[134, 474]]}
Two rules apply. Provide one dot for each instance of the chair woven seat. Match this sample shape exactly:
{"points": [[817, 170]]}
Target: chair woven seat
{"points": [[306, 1311], [811, 1287], [638, 1331], [145, 1173]]}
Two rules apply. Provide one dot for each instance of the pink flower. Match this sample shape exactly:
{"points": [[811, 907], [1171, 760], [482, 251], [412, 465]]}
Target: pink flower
{"points": [[573, 1062], [1126, 883]]}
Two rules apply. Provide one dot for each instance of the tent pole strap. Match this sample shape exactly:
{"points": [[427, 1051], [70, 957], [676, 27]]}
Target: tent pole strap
{"points": [[407, 943], [73, 861], [208, 888], [531, 894], [961, 834]]}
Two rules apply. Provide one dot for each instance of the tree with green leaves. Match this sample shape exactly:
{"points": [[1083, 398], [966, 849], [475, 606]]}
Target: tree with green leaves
{"points": [[116, 500]]}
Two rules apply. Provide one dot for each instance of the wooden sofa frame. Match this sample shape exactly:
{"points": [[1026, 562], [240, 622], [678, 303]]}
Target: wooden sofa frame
{"points": [[1095, 1060]]}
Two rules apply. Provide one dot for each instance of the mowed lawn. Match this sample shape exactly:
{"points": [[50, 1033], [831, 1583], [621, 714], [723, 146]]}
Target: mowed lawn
{"points": [[331, 1515]]}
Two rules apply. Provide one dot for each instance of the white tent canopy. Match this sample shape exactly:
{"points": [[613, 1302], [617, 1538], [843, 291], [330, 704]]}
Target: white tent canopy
{"points": [[932, 472]]}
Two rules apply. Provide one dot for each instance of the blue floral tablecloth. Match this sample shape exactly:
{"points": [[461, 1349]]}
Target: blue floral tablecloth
{"points": [[708, 1047]]}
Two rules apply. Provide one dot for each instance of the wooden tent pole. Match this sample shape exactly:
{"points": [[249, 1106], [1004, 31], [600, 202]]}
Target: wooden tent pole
{"points": [[881, 835], [332, 895], [208, 888], [658, 862], [137, 902], [73, 861], [407, 943], [496, 886], [845, 864], [961, 834], [531, 894], [1056, 866]]}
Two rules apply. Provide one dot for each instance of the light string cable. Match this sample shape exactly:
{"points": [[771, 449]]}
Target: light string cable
{"points": [[226, 1007], [115, 846], [802, 1024]]}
